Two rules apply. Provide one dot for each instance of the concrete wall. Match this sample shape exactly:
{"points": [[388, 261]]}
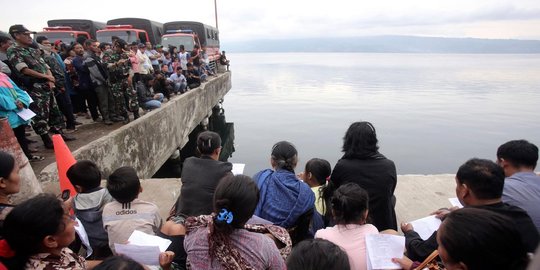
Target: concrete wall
{"points": [[148, 142]]}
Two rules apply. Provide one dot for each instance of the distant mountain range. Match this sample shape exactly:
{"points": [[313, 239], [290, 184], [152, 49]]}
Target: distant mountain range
{"points": [[387, 44]]}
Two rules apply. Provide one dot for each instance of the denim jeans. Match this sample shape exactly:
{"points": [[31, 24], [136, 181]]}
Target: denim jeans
{"points": [[153, 104]]}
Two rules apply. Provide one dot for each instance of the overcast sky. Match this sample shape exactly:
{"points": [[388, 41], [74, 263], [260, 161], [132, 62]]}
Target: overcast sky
{"points": [[251, 19]]}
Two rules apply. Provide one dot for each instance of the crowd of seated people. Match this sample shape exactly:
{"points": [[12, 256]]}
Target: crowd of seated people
{"points": [[226, 221], [99, 81]]}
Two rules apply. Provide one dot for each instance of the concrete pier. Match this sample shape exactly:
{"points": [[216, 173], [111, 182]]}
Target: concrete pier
{"points": [[147, 142]]}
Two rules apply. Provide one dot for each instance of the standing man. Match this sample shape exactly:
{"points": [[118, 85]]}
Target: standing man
{"points": [[119, 66], [99, 76], [144, 62], [58, 70], [5, 43], [85, 88], [518, 159], [195, 56], [39, 83]]}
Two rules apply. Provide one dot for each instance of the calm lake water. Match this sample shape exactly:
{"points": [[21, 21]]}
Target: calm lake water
{"points": [[432, 112]]}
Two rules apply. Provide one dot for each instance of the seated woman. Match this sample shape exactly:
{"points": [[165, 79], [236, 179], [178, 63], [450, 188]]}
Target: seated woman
{"points": [[39, 230], [364, 165], [316, 174], [147, 99], [200, 177], [219, 241], [285, 200], [350, 210], [477, 239]]}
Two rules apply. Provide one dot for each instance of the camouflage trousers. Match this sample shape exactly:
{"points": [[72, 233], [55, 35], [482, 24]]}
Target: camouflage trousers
{"points": [[118, 103], [131, 98], [44, 106]]}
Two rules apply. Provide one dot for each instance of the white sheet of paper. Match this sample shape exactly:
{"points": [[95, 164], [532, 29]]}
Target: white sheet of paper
{"points": [[426, 226], [238, 168], [455, 202], [26, 114], [146, 255], [143, 239], [381, 248], [81, 231]]}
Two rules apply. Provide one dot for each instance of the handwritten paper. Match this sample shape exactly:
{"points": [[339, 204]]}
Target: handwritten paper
{"points": [[426, 226], [381, 248], [144, 239], [26, 114], [238, 168], [455, 202], [146, 255]]}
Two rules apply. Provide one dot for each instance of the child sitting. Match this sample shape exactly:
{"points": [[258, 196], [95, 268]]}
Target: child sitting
{"points": [[315, 175], [128, 213], [88, 204]]}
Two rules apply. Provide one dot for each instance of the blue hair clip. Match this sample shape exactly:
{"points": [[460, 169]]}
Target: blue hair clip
{"points": [[225, 216]]}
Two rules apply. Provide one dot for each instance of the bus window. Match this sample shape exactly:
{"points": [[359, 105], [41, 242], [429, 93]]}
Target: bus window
{"points": [[142, 37]]}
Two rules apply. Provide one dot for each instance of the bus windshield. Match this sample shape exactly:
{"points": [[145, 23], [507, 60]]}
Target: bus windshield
{"points": [[176, 41], [106, 36]]}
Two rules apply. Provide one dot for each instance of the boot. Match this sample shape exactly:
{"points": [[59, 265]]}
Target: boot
{"points": [[47, 141], [126, 118], [136, 114], [65, 136]]}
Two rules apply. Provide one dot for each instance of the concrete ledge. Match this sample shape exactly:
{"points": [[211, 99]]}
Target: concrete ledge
{"points": [[147, 142], [419, 195]]}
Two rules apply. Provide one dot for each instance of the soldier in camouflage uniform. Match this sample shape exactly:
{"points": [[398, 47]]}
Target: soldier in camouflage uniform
{"points": [[62, 98], [119, 69], [39, 83]]}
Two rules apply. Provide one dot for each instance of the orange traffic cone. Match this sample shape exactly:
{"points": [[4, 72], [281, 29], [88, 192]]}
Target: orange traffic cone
{"points": [[64, 160]]}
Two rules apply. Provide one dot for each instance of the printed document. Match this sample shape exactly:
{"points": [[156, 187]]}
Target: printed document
{"points": [[381, 248]]}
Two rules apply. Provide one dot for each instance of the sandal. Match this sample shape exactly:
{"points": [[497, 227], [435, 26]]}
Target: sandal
{"points": [[36, 158]]}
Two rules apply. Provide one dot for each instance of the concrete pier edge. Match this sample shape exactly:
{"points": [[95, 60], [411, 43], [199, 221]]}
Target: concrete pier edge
{"points": [[147, 142]]}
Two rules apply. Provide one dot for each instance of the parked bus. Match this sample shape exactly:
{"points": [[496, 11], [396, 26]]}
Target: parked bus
{"points": [[68, 30], [131, 29], [189, 34]]}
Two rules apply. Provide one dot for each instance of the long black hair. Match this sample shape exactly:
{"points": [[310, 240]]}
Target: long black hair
{"points": [[360, 141]]}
